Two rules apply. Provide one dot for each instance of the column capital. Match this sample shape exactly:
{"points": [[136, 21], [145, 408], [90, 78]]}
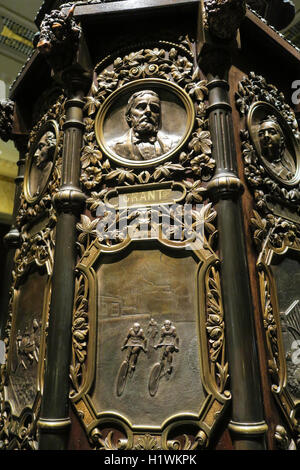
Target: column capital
{"points": [[225, 185]]}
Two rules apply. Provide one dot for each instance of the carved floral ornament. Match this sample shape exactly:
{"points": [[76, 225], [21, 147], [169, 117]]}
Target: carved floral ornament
{"points": [[223, 17], [270, 149], [6, 119], [265, 107], [167, 69], [58, 38]]}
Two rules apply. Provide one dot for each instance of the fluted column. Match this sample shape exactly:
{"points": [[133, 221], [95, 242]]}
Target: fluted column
{"points": [[247, 423]]}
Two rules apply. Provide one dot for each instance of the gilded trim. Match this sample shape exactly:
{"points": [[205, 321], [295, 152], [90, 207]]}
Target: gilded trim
{"points": [[210, 326], [248, 428], [53, 423]]}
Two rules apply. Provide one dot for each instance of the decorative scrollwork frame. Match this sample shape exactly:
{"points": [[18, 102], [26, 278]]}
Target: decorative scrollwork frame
{"points": [[253, 90], [210, 334], [33, 209], [140, 85], [18, 430], [276, 237]]}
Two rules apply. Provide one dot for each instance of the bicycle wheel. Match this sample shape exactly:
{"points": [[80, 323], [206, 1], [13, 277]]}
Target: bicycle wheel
{"points": [[154, 379], [121, 380]]}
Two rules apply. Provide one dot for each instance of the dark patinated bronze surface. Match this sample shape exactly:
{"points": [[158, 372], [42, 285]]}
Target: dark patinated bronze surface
{"points": [[142, 286]]}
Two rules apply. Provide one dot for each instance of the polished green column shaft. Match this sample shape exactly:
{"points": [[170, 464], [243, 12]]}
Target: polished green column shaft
{"points": [[69, 202], [247, 421]]}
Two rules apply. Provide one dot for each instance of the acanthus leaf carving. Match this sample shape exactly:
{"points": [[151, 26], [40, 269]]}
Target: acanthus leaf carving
{"points": [[109, 442]]}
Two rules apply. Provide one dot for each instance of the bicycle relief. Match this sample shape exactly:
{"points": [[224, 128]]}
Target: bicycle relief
{"points": [[169, 343], [136, 342]]}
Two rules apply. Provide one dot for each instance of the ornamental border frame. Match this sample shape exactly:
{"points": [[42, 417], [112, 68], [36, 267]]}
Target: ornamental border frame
{"points": [[271, 322], [216, 401]]}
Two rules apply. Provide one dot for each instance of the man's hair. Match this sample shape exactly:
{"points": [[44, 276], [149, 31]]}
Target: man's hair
{"points": [[132, 99], [50, 142], [50, 139]]}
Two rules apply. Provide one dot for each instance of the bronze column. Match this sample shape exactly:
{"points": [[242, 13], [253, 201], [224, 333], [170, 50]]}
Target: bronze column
{"points": [[69, 61], [12, 238], [247, 423], [69, 202]]}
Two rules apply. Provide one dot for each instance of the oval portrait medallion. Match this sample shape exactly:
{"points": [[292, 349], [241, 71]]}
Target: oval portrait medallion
{"points": [[144, 122], [41, 160], [275, 143]]}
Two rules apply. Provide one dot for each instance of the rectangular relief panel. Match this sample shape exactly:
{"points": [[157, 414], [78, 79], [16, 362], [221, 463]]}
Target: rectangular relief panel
{"points": [[22, 375], [141, 291], [279, 275], [287, 279], [26, 342]]}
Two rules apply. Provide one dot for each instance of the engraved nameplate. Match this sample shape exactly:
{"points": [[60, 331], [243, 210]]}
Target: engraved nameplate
{"points": [[146, 195]]}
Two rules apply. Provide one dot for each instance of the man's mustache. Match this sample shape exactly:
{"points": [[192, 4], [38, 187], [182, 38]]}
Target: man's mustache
{"points": [[147, 119]]}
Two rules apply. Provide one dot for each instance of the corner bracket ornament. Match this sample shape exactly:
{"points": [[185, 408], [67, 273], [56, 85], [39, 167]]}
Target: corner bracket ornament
{"points": [[58, 38], [223, 17], [271, 153], [219, 21]]}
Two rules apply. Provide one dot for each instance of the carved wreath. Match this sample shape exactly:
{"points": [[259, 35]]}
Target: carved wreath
{"points": [[168, 61], [28, 212], [252, 89]]}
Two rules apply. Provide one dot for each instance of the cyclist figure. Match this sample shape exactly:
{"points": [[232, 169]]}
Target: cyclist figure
{"points": [[134, 342], [170, 342], [152, 329]]}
